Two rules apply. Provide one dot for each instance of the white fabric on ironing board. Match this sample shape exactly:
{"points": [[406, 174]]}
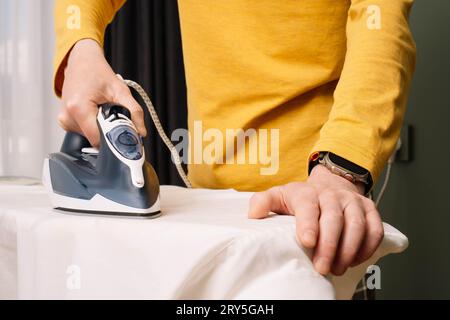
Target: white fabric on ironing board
{"points": [[202, 247]]}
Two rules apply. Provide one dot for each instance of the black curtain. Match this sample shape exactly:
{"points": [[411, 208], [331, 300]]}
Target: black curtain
{"points": [[143, 44]]}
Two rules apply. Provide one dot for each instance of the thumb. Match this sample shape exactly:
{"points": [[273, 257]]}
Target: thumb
{"points": [[123, 97], [262, 203]]}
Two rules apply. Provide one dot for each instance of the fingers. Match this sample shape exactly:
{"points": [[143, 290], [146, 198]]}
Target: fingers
{"points": [[122, 96], [303, 202], [374, 233], [344, 228], [352, 236], [66, 121], [331, 223], [262, 203], [307, 214], [84, 113]]}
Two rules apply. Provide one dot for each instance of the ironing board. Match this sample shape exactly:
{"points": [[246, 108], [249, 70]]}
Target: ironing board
{"points": [[202, 247]]}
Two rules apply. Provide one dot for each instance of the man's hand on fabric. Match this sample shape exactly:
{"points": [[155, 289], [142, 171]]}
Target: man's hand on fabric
{"points": [[332, 216]]}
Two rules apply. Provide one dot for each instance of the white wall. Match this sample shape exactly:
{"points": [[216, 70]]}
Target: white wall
{"points": [[28, 107]]}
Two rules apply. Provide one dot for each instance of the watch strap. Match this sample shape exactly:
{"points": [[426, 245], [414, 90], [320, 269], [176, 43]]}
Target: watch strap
{"points": [[342, 167]]}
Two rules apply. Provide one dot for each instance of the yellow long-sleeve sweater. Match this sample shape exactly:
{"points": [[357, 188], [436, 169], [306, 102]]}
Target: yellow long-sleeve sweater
{"points": [[330, 75]]}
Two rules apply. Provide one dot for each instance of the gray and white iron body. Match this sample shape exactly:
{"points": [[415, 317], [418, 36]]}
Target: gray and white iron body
{"points": [[114, 180]]}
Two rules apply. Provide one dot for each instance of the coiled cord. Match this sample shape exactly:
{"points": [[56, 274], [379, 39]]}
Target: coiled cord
{"points": [[154, 115]]}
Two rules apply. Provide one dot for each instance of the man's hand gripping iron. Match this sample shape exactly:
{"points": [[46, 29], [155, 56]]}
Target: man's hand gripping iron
{"points": [[115, 179]]}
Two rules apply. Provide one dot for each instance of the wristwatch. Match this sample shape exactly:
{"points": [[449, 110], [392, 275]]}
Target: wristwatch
{"points": [[342, 167]]}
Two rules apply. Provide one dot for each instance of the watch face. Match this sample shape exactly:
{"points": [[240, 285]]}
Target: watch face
{"points": [[350, 166]]}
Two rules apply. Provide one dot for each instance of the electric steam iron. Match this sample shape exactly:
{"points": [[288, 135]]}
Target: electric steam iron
{"points": [[116, 179]]}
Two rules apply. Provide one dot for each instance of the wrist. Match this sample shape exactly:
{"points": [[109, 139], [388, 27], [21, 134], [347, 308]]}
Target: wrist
{"points": [[84, 49], [320, 175], [85, 56]]}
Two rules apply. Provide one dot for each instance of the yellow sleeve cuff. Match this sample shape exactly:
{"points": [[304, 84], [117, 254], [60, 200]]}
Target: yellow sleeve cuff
{"points": [[93, 16]]}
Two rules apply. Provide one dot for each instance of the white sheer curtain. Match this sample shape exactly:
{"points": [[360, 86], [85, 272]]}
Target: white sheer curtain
{"points": [[28, 108]]}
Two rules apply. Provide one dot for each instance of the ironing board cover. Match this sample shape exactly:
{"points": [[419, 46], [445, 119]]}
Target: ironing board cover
{"points": [[202, 247]]}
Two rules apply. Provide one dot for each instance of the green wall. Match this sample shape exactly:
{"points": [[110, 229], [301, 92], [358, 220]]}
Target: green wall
{"points": [[418, 198]]}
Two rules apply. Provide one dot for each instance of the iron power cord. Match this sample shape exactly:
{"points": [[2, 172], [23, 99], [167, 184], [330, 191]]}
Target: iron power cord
{"points": [[388, 172], [154, 115]]}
